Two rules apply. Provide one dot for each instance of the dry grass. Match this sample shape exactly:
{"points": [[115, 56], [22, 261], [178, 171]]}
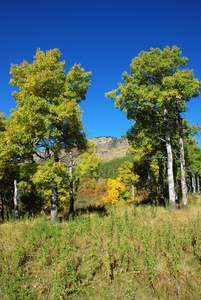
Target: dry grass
{"points": [[144, 252]]}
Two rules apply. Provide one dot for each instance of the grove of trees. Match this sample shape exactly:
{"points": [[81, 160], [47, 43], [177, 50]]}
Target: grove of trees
{"points": [[154, 96], [43, 140], [46, 120]]}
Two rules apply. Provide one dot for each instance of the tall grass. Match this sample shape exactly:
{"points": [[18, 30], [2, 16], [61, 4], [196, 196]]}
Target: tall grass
{"points": [[141, 253]]}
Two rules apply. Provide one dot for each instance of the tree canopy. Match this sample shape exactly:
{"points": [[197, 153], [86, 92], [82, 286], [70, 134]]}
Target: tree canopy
{"points": [[155, 94], [47, 111], [47, 117]]}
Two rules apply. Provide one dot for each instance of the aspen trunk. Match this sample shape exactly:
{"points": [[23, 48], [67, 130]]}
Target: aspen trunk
{"points": [[71, 207], [193, 184], [182, 163], [133, 191], [54, 209], [15, 199], [171, 188], [161, 182], [150, 193], [198, 185], [176, 190]]}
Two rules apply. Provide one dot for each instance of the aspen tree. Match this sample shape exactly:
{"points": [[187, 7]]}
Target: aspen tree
{"points": [[47, 116], [158, 87]]}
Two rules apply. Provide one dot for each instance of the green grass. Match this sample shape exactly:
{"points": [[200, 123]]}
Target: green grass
{"points": [[144, 252]]}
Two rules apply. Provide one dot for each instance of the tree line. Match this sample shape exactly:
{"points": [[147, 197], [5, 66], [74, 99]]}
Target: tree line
{"points": [[47, 122]]}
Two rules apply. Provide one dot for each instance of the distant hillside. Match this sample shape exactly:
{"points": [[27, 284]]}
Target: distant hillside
{"points": [[109, 148], [110, 168]]}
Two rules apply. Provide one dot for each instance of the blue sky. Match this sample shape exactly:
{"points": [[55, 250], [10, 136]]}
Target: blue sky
{"points": [[103, 36]]}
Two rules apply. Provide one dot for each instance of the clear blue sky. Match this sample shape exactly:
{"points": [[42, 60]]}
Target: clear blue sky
{"points": [[103, 36]]}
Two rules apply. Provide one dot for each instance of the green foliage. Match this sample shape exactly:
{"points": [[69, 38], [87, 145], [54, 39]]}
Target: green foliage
{"points": [[126, 173], [49, 173], [110, 169], [193, 156], [31, 202], [47, 113], [47, 117], [156, 78], [8, 173], [154, 95], [88, 164]]}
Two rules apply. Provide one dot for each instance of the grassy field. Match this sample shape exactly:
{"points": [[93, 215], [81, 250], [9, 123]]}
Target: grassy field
{"points": [[144, 252]]}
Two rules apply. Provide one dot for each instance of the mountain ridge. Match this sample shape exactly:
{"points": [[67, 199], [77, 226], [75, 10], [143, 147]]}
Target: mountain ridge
{"points": [[109, 148]]}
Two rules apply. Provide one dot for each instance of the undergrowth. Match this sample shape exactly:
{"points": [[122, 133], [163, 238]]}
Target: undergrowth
{"points": [[143, 252]]}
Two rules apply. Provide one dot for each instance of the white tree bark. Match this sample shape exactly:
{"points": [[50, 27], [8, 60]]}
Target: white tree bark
{"points": [[193, 184], [54, 209], [15, 199], [182, 162], [172, 201], [133, 191], [198, 185], [183, 173]]}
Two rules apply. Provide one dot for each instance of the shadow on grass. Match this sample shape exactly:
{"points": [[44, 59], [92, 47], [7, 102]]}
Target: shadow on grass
{"points": [[90, 209], [100, 210]]}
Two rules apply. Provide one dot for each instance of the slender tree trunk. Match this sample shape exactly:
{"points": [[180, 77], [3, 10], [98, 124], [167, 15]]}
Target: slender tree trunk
{"points": [[54, 209], [2, 209], [182, 161], [11, 204], [198, 185], [133, 191], [7, 211], [172, 201], [15, 200], [176, 191], [190, 184], [193, 184], [150, 193], [71, 207], [161, 182]]}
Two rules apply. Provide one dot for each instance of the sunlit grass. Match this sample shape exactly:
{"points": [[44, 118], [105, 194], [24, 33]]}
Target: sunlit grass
{"points": [[144, 252]]}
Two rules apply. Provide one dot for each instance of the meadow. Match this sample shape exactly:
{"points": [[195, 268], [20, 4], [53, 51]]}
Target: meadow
{"points": [[124, 252]]}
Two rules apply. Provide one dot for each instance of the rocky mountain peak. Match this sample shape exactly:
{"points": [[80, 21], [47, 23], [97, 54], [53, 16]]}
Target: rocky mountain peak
{"points": [[109, 148]]}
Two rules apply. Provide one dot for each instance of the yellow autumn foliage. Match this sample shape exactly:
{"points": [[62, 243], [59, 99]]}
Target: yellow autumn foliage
{"points": [[53, 172], [114, 190]]}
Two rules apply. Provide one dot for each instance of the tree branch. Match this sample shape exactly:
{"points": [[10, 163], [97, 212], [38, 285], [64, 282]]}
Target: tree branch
{"points": [[41, 157]]}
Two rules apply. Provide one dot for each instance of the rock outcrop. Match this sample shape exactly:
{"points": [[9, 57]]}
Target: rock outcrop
{"points": [[109, 148]]}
